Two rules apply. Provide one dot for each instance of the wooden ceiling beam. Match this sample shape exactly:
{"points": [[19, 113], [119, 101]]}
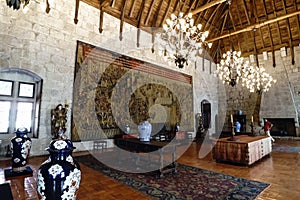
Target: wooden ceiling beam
{"points": [[289, 34], [255, 26], [257, 20], [76, 11], [112, 3], [270, 36], [176, 7], [275, 13], [279, 35], [246, 12], [139, 22], [132, 8], [101, 17], [255, 49], [166, 13], [122, 19], [269, 49], [298, 20], [149, 12], [193, 2], [248, 20], [201, 15], [234, 28], [153, 26], [206, 6], [211, 17], [154, 21]]}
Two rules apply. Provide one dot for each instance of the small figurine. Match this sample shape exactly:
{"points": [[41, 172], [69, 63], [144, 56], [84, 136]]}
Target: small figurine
{"points": [[59, 120]]}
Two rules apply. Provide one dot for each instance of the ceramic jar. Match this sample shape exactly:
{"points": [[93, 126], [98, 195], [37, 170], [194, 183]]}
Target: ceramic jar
{"points": [[144, 130], [237, 127], [59, 176], [127, 129], [20, 148]]}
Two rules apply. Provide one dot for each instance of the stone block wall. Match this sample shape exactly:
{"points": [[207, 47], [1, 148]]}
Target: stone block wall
{"points": [[46, 44], [282, 100]]}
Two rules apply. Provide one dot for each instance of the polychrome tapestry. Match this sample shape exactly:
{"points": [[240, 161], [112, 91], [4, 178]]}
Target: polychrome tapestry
{"points": [[113, 91]]}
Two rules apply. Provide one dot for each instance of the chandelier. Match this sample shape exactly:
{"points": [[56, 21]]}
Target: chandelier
{"points": [[256, 79], [181, 40], [231, 67], [15, 4]]}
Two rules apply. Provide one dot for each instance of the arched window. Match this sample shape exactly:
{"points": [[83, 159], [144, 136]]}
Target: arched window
{"points": [[20, 98]]}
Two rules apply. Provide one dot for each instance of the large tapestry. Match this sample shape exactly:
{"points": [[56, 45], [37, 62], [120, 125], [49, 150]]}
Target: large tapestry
{"points": [[114, 91]]}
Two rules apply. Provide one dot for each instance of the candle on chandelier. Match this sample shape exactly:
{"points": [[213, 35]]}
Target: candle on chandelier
{"points": [[231, 118], [252, 119]]}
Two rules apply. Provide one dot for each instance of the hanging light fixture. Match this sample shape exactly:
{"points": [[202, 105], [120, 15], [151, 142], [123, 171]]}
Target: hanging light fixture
{"points": [[15, 4], [231, 67], [181, 40], [256, 79]]}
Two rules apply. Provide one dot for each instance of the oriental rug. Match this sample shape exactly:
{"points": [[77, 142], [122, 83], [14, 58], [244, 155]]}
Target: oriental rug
{"points": [[188, 183]]}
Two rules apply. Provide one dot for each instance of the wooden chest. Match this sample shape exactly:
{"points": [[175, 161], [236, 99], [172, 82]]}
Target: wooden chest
{"points": [[246, 150]]}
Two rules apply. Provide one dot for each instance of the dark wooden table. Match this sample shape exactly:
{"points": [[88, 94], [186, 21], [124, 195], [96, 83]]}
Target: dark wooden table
{"points": [[161, 148]]}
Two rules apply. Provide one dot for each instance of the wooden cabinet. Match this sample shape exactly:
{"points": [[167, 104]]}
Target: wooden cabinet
{"points": [[246, 150]]}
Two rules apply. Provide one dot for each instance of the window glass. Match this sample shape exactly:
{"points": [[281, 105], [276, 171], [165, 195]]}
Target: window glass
{"points": [[24, 113], [4, 116], [6, 88], [26, 90], [20, 97]]}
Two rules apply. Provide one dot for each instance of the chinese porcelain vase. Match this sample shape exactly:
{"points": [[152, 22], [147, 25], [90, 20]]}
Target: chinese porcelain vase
{"points": [[59, 176], [144, 130], [237, 127], [20, 148]]}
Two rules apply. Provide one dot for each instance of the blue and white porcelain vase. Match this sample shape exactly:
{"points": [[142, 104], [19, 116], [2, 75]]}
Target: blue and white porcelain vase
{"points": [[144, 130], [59, 176], [237, 127], [20, 148]]}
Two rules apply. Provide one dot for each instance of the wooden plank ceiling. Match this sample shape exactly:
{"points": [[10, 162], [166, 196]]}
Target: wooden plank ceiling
{"points": [[251, 26]]}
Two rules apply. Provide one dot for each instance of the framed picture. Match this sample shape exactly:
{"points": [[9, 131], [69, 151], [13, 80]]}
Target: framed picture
{"points": [[6, 88], [26, 90]]}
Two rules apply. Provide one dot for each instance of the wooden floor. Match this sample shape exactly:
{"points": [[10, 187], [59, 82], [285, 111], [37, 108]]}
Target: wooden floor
{"points": [[281, 170]]}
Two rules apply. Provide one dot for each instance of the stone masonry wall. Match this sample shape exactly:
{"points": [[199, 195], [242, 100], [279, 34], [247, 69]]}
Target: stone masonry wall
{"points": [[282, 100], [46, 44]]}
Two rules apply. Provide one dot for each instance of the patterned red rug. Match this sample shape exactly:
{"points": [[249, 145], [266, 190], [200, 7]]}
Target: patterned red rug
{"points": [[188, 183]]}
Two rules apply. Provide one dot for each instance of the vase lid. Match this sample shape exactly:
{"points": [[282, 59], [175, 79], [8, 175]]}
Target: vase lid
{"points": [[60, 144], [22, 130]]}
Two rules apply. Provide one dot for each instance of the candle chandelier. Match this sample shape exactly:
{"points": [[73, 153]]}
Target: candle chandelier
{"points": [[256, 79], [231, 67], [181, 41], [16, 4]]}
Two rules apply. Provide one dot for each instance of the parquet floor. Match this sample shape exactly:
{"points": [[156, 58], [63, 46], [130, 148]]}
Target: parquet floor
{"points": [[281, 170]]}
